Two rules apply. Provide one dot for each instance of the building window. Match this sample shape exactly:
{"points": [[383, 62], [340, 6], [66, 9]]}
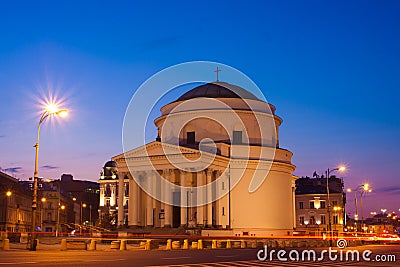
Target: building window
{"points": [[312, 220], [301, 220], [107, 203], [223, 185], [223, 210], [323, 204], [335, 219], [312, 205], [237, 137], [301, 205], [323, 219], [191, 137]]}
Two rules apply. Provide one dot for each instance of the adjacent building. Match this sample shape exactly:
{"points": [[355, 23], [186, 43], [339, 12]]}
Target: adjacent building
{"points": [[15, 205], [312, 214]]}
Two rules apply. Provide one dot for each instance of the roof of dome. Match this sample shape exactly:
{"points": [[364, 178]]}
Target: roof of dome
{"points": [[218, 90], [111, 163]]}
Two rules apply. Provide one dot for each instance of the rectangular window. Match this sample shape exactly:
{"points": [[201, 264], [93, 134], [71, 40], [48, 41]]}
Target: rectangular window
{"points": [[223, 186], [312, 220], [323, 219], [237, 137], [301, 205], [107, 203], [323, 204], [223, 210], [312, 205], [301, 220], [190, 137], [335, 219]]}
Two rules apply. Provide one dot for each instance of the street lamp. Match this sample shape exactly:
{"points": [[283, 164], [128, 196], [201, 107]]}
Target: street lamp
{"points": [[8, 195], [328, 173], [365, 188], [83, 205], [43, 200], [60, 207], [51, 110]]}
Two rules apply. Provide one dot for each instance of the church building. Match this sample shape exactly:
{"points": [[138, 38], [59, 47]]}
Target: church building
{"points": [[216, 167]]}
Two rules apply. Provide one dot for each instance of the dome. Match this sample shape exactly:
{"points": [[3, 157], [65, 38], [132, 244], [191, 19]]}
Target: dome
{"points": [[111, 164], [218, 90]]}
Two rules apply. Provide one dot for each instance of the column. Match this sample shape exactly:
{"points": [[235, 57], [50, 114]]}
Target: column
{"points": [[121, 210], [133, 203], [183, 198], [201, 196], [149, 200], [209, 197], [166, 193]]}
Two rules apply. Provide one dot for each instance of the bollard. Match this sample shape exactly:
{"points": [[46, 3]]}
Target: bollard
{"points": [[242, 244], [200, 244], [92, 245], [214, 244], [185, 244], [122, 245], [228, 244], [63, 244], [176, 245], [6, 244], [169, 244], [148, 244]]}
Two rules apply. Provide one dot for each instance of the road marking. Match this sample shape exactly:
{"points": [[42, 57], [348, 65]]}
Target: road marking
{"points": [[105, 260], [17, 263], [176, 258]]}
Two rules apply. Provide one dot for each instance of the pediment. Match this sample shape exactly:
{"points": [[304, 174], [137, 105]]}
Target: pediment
{"points": [[156, 149]]}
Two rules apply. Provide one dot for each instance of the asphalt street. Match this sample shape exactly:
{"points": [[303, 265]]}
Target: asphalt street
{"points": [[217, 257]]}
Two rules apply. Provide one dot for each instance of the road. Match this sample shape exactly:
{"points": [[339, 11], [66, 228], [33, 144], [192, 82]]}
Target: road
{"points": [[218, 257]]}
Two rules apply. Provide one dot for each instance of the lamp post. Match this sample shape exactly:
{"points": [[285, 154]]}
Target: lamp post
{"points": [[60, 207], [41, 213], [8, 195], [83, 205], [328, 173], [51, 110], [365, 188]]}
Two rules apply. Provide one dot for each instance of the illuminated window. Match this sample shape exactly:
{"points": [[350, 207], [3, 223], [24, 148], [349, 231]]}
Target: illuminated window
{"points": [[323, 219], [301, 219]]}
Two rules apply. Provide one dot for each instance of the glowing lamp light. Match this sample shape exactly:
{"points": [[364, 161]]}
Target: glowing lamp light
{"points": [[9, 193], [62, 113], [43, 199], [63, 207], [51, 108], [342, 168]]}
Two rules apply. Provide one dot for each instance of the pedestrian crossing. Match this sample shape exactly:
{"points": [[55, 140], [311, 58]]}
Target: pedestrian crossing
{"points": [[271, 263]]}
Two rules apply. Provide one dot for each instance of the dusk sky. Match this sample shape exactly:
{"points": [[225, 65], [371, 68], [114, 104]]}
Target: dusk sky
{"points": [[331, 68]]}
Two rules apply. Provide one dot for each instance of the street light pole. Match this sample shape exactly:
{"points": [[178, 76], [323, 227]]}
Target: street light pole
{"points": [[328, 173], [50, 111]]}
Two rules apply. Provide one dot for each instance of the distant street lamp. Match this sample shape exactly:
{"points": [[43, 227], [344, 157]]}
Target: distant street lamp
{"points": [[8, 195], [51, 110], [60, 207], [41, 213], [83, 205], [328, 174], [365, 188]]}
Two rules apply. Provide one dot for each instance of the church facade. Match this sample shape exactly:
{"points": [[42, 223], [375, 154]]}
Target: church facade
{"points": [[211, 168]]}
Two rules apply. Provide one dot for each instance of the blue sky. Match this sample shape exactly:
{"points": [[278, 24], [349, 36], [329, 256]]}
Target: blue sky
{"points": [[330, 67]]}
